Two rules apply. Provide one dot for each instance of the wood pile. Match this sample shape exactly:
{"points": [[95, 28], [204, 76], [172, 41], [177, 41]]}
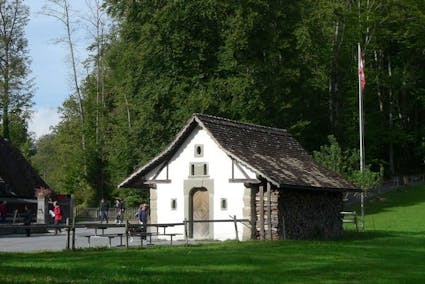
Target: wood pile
{"points": [[298, 214], [309, 214]]}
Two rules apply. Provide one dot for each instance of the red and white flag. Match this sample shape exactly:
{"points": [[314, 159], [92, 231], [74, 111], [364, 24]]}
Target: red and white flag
{"points": [[362, 78]]}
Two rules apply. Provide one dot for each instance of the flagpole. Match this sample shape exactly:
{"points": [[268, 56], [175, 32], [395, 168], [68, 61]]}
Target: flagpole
{"points": [[361, 127]]}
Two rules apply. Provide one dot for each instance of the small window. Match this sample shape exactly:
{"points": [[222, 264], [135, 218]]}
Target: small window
{"points": [[223, 204], [173, 204], [199, 150], [198, 169]]}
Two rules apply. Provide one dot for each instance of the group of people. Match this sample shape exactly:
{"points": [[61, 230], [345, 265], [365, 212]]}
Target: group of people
{"points": [[142, 213], [56, 213], [104, 211]]}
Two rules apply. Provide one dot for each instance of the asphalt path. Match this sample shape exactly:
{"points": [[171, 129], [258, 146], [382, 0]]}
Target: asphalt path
{"points": [[51, 242]]}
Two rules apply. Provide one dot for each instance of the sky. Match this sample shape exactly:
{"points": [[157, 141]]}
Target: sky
{"points": [[50, 67]]}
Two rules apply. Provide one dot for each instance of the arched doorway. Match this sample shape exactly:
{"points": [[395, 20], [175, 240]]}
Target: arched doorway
{"points": [[199, 210]]}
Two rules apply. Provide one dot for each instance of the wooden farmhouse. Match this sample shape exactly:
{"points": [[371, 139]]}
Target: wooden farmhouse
{"points": [[218, 168]]}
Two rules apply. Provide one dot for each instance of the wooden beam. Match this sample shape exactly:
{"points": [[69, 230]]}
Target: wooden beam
{"points": [[261, 213], [244, 180], [241, 169], [155, 181], [269, 210]]}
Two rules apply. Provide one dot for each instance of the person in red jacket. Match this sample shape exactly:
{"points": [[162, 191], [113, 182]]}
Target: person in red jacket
{"points": [[58, 216]]}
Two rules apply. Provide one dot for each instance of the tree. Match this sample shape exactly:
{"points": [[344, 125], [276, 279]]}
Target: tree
{"points": [[60, 10], [15, 87]]}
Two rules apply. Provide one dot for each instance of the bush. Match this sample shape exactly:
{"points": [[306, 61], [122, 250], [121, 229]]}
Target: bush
{"points": [[345, 162]]}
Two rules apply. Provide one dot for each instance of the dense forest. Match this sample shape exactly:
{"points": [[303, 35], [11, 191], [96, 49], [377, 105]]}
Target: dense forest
{"points": [[289, 64]]}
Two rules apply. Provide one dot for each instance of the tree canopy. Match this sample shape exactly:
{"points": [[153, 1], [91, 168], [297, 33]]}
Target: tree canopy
{"points": [[287, 64]]}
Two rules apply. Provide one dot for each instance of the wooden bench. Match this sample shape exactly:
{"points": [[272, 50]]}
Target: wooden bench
{"points": [[150, 234], [97, 226], [171, 235], [144, 235], [109, 236]]}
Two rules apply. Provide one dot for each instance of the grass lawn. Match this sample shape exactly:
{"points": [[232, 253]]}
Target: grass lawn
{"points": [[391, 251]]}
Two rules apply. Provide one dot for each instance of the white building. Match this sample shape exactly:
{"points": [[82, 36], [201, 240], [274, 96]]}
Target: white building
{"points": [[216, 169]]}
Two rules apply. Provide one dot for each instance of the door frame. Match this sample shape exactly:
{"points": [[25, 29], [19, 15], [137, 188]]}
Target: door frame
{"points": [[191, 207], [188, 186]]}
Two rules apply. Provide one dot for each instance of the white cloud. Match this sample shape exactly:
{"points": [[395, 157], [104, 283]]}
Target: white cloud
{"points": [[42, 119]]}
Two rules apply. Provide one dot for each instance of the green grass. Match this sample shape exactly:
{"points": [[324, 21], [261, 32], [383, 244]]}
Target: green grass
{"points": [[391, 251]]}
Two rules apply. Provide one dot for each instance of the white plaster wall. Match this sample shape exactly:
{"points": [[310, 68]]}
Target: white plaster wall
{"points": [[220, 170]]}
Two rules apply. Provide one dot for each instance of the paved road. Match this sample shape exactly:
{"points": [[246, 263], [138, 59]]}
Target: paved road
{"points": [[52, 242]]}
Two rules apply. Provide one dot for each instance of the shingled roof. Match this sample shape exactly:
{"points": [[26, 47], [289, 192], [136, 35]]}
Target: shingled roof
{"points": [[270, 152], [17, 176]]}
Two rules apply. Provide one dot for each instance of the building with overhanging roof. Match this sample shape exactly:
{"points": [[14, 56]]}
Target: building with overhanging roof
{"points": [[18, 179], [218, 168]]}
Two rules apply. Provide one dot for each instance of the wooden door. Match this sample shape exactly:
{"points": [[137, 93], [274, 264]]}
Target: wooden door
{"points": [[200, 211]]}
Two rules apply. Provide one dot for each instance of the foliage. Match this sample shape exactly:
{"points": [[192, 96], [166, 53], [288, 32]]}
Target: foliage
{"points": [[287, 64], [366, 179], [345, 162], [15, 85]]}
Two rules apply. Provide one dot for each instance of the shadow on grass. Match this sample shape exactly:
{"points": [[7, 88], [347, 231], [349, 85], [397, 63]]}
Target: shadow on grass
{"points": [[374, 256]]}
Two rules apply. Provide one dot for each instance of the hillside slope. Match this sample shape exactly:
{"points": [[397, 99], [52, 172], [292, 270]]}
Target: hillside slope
{"points": [[402, 210]]}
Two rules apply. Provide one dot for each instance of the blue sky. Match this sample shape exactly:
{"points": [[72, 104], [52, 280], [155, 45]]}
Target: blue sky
{"points": [[49, 66]]}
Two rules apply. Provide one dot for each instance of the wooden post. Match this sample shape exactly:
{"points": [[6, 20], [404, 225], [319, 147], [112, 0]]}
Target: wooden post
{"points": [[126, 233], [283, 225], [68, 234], [73, 232], [185, 231], [355, 221], [261, 212], [269, 210], [282, 213], [236, 227]]}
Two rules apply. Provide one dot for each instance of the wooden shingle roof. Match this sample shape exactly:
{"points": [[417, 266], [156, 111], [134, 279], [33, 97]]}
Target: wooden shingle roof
{"points": [[270, 152], [18, 177]]}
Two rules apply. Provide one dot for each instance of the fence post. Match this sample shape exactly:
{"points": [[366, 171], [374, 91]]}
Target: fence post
{"points": [[126, 233], [73, 232], [236, 227], [185, 231], [68, 240], [15, 213]]}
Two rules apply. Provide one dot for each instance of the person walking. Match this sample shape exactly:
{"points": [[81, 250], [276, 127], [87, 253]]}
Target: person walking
{"points": [[143, 214], [27, 220], [103, 208], [58, 216], [119, 205]]}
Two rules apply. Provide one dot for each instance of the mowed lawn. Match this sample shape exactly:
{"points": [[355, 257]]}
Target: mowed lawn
{"points": [[391, 251]]}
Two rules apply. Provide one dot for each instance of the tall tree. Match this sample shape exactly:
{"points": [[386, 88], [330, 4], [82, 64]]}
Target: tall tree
{"points": [[61, 11], [15, 87]]}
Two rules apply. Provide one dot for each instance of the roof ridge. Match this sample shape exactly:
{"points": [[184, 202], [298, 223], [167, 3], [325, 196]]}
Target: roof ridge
{"points": [[239, 123]]}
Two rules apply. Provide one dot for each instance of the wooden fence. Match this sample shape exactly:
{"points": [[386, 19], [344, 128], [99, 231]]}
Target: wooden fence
{"points": [[128, 227]]}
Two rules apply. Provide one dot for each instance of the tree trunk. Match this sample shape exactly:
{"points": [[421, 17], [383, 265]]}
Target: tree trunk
{"points": [[390, 119]]}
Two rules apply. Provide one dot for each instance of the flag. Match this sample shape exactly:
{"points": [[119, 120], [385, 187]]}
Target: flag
{"points": [[362, 78]]}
